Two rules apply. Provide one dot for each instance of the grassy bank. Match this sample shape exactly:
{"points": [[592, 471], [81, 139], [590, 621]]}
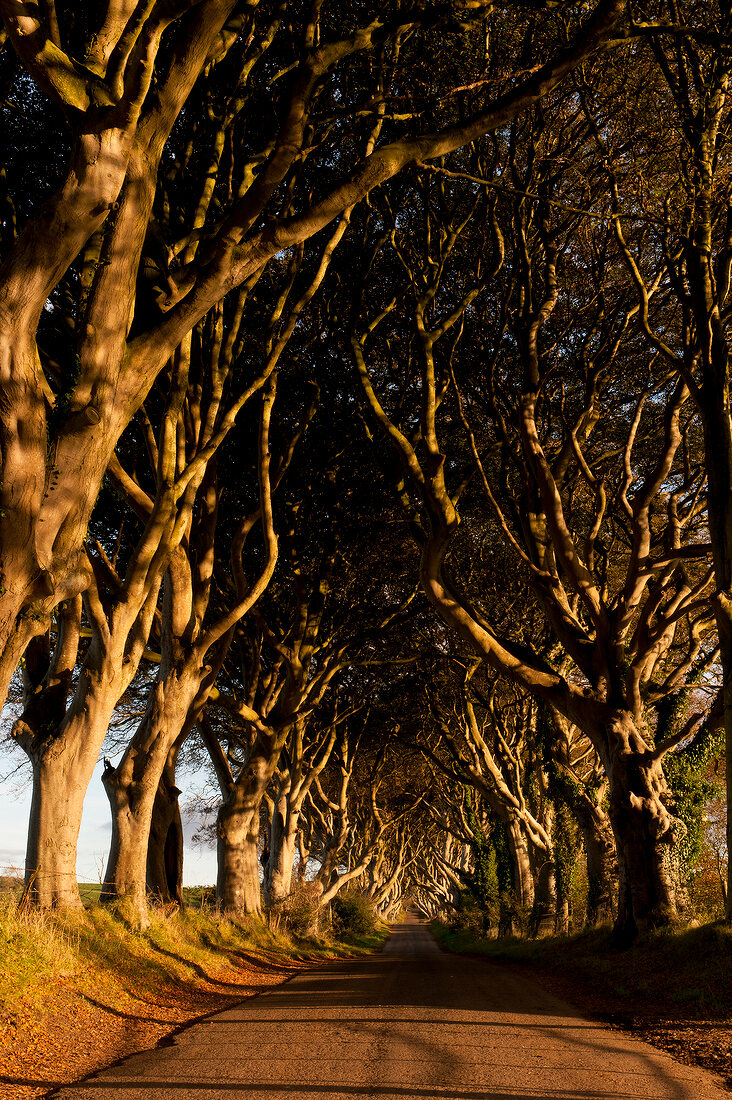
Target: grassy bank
{"points": [[690, 968], [673, 988], [78, 991]]}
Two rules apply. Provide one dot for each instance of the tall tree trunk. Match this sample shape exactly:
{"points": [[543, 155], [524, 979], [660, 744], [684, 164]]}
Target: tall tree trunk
{"points": [[543, 912], [278, 881], [303, 857], [237, 831], [602, 866], [282, 839], [165, 846], [585, 804], [562, 914], [59, 785], [523, 880], [133, 785], [62, 770], [237, 827], [646, 834]]}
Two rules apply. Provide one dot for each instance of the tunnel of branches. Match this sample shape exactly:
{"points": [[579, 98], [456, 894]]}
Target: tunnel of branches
{"points": [[367, 454]]}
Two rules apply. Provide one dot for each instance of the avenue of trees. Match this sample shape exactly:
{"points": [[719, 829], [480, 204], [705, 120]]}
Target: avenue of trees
{"points": [[366, 445]]}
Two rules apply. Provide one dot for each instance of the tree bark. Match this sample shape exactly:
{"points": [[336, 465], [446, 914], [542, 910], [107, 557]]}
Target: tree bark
{"points": [[133, 785], [165, 846], [562, 914], [523, 880], [646, 834], [237, 830], [283, 836], [63, 765], [58, 798], [602, 866], [543, 912]]}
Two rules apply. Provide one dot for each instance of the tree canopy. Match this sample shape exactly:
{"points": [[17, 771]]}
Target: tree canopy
{"points": [[364, 423]]}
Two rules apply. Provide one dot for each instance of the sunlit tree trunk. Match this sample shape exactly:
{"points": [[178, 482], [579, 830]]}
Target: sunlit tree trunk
{"points": [[237, 831], [63, 743], [132, 788], [62, 769], [278, 876]]}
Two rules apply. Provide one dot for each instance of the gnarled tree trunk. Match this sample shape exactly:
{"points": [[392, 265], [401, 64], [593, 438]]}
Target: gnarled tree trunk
{"points": [[646, 833], [237, 827], [165, 845], [133, 785], [282, 842], [63, 765], [602, 865], [237, 831]]}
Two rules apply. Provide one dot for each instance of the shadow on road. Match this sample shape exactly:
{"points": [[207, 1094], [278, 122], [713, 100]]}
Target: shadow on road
{"points": [[410, 1022], [196, 1089]]}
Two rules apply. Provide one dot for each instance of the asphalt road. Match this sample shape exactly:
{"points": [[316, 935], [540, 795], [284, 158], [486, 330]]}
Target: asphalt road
{"points": [[410, 1022]]}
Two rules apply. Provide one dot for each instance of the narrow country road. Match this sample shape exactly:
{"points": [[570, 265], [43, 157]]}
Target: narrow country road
{"points": [[410, 1022]]}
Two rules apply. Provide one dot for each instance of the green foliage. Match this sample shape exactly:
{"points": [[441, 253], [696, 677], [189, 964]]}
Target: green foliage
{"points": [[469, 920], [487, 900], [566, 849], [483, 887], [299, 911], [354, 914], [692, 790]]}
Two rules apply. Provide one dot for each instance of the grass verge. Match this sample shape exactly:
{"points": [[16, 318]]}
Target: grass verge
{"points": [[672, 987], [80, 990]]}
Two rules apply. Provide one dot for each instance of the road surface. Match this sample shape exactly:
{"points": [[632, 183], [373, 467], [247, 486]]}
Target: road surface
{"points": [[409, 1022]]}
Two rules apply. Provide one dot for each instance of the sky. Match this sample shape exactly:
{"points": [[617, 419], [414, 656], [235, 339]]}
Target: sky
{"points": [[199, 864]]}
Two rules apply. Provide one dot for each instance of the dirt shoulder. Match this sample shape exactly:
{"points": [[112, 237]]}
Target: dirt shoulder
{"points": [[78, 994], [673, 989], [78, 1033]]}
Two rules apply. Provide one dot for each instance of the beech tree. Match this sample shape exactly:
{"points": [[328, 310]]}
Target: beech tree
{"points": [[536, 288], [680, 265], [264, 93], [607, 535], [72, 688], [194, 632], [171, 490]]}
